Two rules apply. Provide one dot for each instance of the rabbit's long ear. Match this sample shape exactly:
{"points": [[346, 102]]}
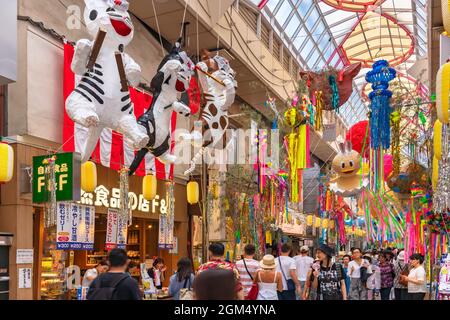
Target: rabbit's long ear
{"points": [[342, 147], [348, 146]]}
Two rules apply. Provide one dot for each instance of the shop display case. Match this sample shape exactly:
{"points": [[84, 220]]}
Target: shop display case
{"points": [[53, 277]]}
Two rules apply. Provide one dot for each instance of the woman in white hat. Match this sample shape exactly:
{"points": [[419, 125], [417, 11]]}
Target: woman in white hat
{"points": [[268, 279]]}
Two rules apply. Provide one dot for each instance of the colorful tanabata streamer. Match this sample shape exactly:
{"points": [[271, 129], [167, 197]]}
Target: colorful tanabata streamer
{"points": [[297, 145]]}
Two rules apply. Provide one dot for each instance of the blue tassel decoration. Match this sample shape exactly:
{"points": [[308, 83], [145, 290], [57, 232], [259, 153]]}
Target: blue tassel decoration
{"points": [[380, 129]]}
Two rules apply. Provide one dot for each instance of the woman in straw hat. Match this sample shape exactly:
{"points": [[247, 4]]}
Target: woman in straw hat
{"points": [[268, 279]]}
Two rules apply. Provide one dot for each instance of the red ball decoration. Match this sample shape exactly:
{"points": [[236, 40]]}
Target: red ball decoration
{"points": [[356, 136]]}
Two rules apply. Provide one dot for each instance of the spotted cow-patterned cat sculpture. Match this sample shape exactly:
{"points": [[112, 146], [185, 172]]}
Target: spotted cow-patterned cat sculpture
{"points": [[219, 97], [173, 78], [97, 101]]}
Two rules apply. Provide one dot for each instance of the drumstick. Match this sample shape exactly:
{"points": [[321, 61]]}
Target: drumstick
{"points": [[210, 75], [122, 74], [101, 35]]}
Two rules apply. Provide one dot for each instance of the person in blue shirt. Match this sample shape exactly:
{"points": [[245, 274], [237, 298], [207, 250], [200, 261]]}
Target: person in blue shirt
{"points": [[182, 279], [345, 261]]}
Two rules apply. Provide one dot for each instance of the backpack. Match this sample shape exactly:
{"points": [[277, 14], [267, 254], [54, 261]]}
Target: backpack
{"points": [[186, 293], [98, 292]]}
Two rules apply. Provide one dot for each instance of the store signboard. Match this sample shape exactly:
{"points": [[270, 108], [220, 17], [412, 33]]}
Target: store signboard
{"points": [[110, 198], [67, 174], [116, 230], [75, 227], [293, 229]]}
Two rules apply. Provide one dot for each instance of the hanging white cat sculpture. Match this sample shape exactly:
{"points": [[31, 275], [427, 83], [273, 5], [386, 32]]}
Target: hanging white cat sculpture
{"points": [[219, 97], [97, 101]]}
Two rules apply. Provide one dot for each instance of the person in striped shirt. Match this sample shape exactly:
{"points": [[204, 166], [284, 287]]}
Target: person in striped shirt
{"points": [[247, 268]]}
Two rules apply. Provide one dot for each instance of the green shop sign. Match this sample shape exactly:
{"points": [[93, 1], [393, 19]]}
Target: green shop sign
{"points": [[67, 173]]}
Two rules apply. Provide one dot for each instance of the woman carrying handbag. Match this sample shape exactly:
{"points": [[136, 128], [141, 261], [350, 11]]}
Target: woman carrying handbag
{"points": [[268, 281]]}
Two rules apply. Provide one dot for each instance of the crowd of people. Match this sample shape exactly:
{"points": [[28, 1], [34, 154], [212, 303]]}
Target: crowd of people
{"points": [[358, 275]]}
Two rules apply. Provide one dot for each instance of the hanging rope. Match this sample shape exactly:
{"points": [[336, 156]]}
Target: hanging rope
{"points": [[184, 19], [159, 30]]}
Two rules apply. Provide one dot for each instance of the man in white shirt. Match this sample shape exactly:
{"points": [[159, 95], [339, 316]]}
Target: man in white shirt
{"points": [[358, 288], [93, 273], [303, 264], [287, 267], [247, 268]]}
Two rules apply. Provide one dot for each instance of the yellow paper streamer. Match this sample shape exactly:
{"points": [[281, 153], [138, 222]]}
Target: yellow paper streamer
{"points": [[442, 92]]}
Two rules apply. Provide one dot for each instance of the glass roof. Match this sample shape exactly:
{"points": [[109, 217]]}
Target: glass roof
{"points": [[340, 32]]}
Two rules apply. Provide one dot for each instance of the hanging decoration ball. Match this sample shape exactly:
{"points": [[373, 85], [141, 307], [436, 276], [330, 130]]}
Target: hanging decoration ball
{"points": [[149, 187], [193, 192], [6, 162], [318, 222], [325, 223], [332, 224], [435, 173], [290, 116], [356, 136], [442, 92], [437, 140], [309, 220], [387, 162], [89, 177]]}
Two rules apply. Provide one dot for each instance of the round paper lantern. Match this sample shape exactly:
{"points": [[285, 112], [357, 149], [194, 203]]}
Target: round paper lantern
{"points": [[309, 220], [442, 92], [149, 186], [356, 135], [318, 222], [89, 176], [435, 173], [387, 161], [437, 139], [193, 192], [6, 162], [325, 223]]}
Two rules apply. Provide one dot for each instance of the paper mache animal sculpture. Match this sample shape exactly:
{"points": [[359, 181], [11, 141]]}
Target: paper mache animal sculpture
{"points": [[99, 100], [346, 164], [172, 80], [217, 80], [320, 81]]}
